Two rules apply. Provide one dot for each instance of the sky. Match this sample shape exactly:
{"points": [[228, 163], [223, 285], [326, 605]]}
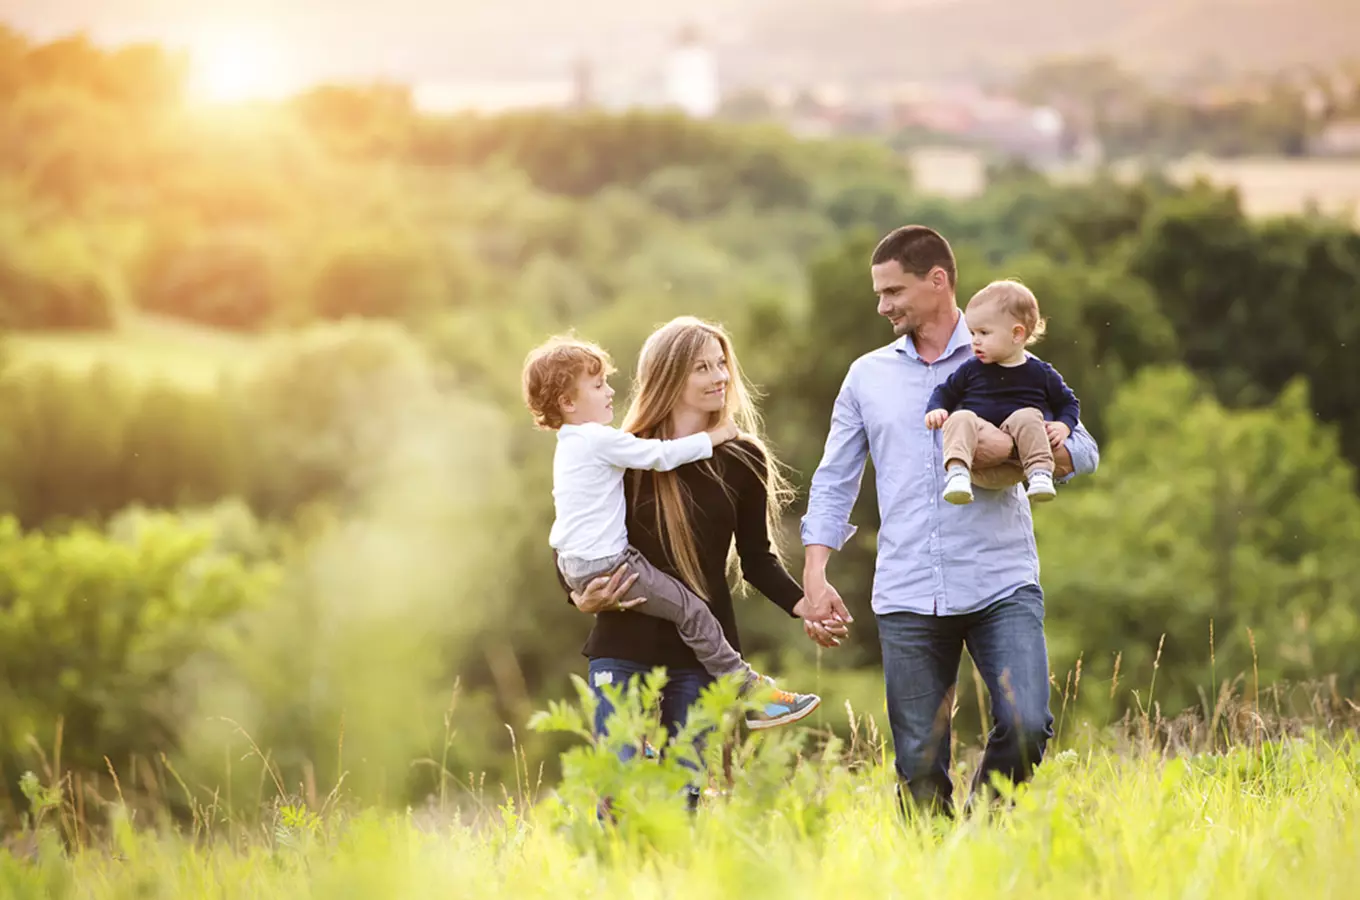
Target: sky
{"points": [[410, 40], [471, 44]]}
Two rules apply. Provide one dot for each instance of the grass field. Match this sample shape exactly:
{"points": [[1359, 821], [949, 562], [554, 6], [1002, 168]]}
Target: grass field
{"points": [[1249, 805], [1282, 819], [143, 348]]}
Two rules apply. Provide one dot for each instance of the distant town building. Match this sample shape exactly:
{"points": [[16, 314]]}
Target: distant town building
{"points": [[1341, 138], [583, 81], [691, 76]]}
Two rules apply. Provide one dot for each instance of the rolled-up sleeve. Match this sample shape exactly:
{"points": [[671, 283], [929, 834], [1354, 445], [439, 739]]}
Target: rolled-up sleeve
{"points": [[836, 483], [1085, 452]]}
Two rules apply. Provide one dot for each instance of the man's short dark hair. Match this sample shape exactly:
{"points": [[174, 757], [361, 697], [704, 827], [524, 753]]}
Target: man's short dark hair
{"points": [[917, 249]]}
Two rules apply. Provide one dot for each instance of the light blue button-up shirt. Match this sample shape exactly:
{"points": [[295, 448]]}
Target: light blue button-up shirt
{"points": [[933, 556]]}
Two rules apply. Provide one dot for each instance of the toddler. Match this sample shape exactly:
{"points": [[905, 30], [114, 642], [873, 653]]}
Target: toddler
{"points": [[1003, 384]]}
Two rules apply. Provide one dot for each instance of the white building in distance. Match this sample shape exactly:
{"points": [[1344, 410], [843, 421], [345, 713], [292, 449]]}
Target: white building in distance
{"points": [[690, 77]]}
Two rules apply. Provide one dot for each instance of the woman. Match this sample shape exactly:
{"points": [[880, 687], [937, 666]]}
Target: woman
{"points": [[686, 521]]}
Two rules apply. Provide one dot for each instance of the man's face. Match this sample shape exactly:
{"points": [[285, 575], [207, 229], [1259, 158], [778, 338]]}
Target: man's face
{"points": [[907, 300]]}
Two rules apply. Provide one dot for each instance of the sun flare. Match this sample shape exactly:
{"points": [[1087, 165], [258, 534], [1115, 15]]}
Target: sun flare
{"points": [[237, 66]]}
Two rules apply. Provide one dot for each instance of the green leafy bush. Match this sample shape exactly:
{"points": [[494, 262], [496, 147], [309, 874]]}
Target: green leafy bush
{"points": [[97, 634]]}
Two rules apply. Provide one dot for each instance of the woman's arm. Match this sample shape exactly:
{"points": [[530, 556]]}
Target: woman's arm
{"points": [[759, 566]]}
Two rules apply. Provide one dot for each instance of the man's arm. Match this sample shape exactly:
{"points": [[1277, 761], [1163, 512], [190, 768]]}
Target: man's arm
{"points": [[831, 498], [835, 484], [1082, 453], [1077, 455]]}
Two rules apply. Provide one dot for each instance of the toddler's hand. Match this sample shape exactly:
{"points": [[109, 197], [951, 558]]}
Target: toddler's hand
{"points": [[726, 430], [1057, 433], [935, 418]]}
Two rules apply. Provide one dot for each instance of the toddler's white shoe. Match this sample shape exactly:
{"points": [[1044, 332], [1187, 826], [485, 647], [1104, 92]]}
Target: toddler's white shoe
{"points": [[958, 488], [1041, 487]]}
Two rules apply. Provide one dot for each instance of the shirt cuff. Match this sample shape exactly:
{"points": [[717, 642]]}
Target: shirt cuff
{"points": [[825, 532], [1085, 454]]}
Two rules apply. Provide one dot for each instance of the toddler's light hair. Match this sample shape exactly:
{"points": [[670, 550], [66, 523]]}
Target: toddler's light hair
{"points": [[1017, 301], [550, 373]]}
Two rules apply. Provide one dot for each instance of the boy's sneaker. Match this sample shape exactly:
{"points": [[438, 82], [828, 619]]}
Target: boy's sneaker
{"points": [[1041, 488], [958, 487], [781, 708]]}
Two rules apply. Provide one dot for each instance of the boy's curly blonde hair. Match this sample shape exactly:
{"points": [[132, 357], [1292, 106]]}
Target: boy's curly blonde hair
{"points": [[1016, 301], [550, 373]]}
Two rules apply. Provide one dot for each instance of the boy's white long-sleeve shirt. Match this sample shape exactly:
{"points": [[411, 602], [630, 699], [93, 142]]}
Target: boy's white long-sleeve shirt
{"points": [[588, 468]]}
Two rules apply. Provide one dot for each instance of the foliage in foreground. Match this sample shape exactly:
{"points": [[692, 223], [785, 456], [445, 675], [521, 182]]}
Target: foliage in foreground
{"points": [[1271, 813]]}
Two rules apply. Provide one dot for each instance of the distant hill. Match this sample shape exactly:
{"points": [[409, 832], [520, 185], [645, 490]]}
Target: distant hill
{"points": [[758, 40], [918, 38]]}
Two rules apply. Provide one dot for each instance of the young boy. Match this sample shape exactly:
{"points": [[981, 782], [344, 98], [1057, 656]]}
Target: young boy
{"points": [[566, 388], [1003, 384]]}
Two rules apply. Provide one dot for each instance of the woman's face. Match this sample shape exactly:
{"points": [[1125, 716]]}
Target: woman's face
{"points": [[706, 388]]}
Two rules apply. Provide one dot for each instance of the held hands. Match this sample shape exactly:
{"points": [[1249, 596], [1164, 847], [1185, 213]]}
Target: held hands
{"points": [[825, 618], [936, 418], [1057, 433]]}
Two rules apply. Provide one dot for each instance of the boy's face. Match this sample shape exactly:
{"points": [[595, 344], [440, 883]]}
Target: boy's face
{"points": [[592, 401], [997, 338]]}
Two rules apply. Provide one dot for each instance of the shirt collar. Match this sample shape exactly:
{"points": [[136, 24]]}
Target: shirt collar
{"points": [[961, 337]]}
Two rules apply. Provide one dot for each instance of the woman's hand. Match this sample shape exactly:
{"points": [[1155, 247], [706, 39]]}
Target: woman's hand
{"points": [[826, 633], [605, 594]]}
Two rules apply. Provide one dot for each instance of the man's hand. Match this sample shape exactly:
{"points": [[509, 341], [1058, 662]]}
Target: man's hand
{"points": [[606, 593], [994, 446], [1062, 461], [936, 418], [1057, 433], [827, 633], [823, 602]]}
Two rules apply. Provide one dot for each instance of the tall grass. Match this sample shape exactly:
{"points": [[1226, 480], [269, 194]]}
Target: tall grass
{"points": [[1233, 801]]}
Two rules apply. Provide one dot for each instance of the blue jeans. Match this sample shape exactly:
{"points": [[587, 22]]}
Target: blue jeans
{"points": [[682, 690], [921, 655]]}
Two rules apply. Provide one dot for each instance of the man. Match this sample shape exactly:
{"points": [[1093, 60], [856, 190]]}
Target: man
{"points": [[946, 576]]}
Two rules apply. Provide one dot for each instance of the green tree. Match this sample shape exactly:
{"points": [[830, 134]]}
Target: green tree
{"points": [[96, 634], [228, 280], [376, 273], [1246, 518], [1256, 303]]}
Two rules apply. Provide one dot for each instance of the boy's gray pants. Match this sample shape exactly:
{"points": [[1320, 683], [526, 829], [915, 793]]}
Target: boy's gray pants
{"points": [[667, 598]]}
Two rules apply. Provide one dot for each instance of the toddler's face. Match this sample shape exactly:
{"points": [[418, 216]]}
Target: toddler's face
{"points": [[592, 402], [997, 338]]}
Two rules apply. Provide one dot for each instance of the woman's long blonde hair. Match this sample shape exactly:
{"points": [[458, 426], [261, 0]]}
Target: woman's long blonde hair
{"points": [[664, 366]]}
